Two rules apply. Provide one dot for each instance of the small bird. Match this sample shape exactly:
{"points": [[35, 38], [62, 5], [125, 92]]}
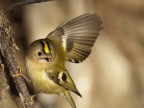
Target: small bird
{"points": [[45, 59]]}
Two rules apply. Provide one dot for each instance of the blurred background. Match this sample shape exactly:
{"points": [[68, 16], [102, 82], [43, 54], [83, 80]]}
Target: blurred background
{"points": [[113, 75]]}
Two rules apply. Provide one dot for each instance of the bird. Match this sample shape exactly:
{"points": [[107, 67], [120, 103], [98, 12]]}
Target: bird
{"points": [[71, 41]]}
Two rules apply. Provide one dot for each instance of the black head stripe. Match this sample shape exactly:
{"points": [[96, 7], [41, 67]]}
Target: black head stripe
{"points": [[46, 47]]}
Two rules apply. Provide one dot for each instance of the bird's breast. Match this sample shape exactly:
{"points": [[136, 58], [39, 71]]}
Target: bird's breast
{"points": [[42, 83]]}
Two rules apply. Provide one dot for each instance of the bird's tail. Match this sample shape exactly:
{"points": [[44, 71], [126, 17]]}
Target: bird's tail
{"points": [[69, 98]]}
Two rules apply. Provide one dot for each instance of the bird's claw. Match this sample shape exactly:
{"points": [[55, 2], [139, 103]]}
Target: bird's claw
{"points": [[20, 75], [17, 75], [32, 99]]}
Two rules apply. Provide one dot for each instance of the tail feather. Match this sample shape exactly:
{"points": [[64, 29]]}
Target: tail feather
{"points": [[69, 98]]}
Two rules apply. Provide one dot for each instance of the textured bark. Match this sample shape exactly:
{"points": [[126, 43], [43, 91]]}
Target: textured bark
{"points": [[8, 49], [3, 82]]}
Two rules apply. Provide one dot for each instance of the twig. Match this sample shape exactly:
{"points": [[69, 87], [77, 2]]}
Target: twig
{"points": [[8, 47], [25, 2]]}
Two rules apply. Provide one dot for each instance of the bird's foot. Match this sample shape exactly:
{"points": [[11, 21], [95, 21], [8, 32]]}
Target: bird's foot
{"points": [[20, 75], [32, 99]]}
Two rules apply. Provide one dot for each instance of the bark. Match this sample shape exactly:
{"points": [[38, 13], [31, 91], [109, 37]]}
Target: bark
{"points": [[8, 49]]}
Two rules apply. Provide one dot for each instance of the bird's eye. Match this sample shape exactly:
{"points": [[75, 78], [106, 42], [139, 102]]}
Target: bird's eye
{"points": [[39, 53]]}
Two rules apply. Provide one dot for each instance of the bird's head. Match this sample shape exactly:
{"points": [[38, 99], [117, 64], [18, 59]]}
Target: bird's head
{"points": [[41, 51]]}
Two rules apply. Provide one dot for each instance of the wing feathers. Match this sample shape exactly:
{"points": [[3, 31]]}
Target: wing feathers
{"points": [[78, 36]]}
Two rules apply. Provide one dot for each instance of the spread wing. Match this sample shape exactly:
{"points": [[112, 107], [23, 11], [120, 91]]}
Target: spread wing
{"points": [[78, 36], [63, 79]]}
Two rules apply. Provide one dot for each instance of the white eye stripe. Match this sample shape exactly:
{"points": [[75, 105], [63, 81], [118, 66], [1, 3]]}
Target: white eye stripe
{"points": [[64, 43], [62, 76], [73, 60]]}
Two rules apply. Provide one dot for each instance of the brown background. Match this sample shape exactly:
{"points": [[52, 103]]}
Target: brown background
{"points": [[113, 75]]}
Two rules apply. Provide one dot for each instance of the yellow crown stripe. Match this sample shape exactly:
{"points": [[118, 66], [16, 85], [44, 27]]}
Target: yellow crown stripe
{"points": [[46, 48]]}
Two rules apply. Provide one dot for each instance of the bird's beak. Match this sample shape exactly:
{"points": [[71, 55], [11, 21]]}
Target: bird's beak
{"points": [[47, 58]]}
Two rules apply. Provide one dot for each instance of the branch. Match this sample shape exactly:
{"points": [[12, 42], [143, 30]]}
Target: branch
{"points": [[25, 2], [3, 82], [8, 48]]}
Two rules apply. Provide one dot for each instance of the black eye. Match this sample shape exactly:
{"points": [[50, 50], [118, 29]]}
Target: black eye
{"points": [[39, 53]]}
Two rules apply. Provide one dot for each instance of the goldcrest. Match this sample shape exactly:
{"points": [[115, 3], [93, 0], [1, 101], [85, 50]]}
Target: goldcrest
{"points": [[45, 59]]}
